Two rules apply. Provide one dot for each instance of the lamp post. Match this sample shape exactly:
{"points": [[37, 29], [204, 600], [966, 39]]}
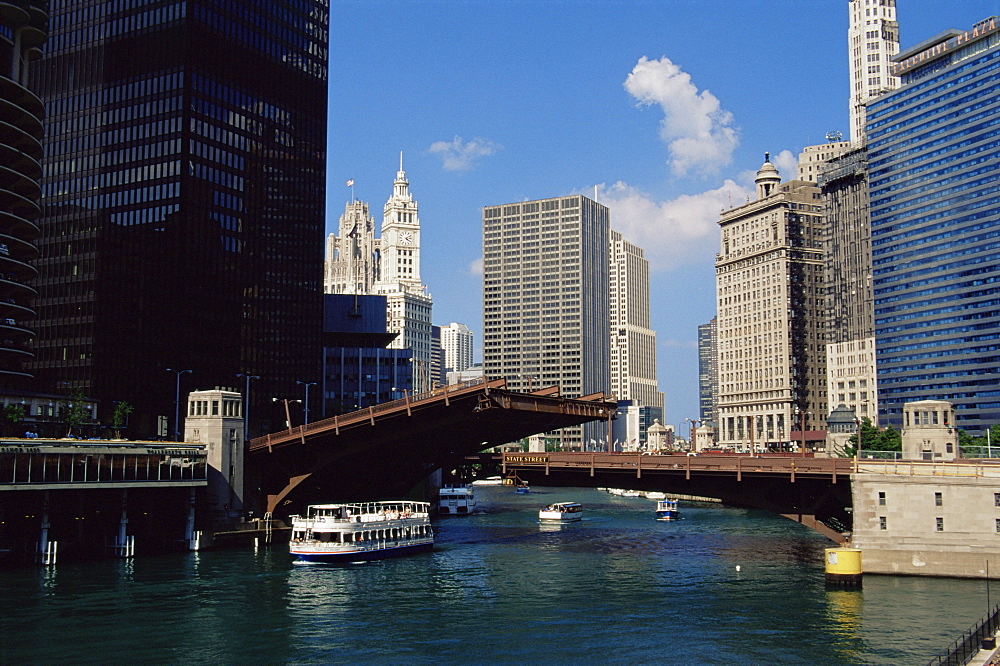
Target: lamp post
{"points": [[802, 429], [246, 404], [305, 416], [288, 416], [691, 426], [177, 403]]}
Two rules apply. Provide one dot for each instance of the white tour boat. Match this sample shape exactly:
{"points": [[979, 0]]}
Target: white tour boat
{"points": [[564, 512], [361, 531], [456, 500]]}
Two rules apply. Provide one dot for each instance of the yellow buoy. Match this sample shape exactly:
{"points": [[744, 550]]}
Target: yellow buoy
{"points": [[843, 566]]}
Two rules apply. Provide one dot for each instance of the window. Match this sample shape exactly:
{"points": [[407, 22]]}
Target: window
{"points": [[881, 499], [940, 523], [881, 523], [938, 501], [996, 499], [998, 525]]}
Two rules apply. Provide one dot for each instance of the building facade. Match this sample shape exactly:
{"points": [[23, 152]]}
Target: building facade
{"points": [[633, 342], [359, 370], [708, 373], [872, 43], [934, 209], [23, 30], [545, 300], [183, 199], [456, 347], [850, 331], [769, 283], [352, 257]]}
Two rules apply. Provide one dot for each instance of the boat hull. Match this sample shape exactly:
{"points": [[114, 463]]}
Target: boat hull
{"points": [[560, 518], [667, 515], [329, 557]]}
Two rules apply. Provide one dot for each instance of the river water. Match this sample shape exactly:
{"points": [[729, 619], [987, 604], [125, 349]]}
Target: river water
{"points": [[618, 587]]}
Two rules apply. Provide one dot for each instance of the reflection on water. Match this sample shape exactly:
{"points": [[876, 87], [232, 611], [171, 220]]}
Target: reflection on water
{"points": [[720, 586]]}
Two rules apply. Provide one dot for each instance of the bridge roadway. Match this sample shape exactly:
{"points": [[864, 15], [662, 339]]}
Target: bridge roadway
{"points": [[386, 450], [813, 491]]}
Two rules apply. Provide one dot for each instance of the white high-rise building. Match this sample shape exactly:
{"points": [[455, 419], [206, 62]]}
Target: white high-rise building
{"points": [[352, 256], [873, 40], [409, 305], [545, 301], [456, 346], [633, 342]]}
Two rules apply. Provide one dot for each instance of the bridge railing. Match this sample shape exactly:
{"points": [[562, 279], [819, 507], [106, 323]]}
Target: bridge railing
{"points": [[927, 468], [968, 645]]}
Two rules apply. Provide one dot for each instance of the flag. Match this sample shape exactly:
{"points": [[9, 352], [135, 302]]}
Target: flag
{"points": [[350, 183]]}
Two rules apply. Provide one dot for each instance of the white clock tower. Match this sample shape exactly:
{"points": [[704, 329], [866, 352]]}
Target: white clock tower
{"points": [[409, 304], [401, 236]]}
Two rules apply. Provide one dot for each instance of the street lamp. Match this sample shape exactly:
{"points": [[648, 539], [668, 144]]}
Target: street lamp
{"points": [[177, 403], [691, 423], [288, 416], [246, 404], [305, 416], [802, 427]]}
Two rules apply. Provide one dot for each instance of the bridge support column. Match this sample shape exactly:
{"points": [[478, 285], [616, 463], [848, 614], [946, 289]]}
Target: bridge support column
{"points": [[191, 535], [124, 544], [46, 549]]}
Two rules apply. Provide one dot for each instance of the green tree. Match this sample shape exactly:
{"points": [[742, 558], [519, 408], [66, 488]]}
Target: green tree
{"points": [[74, 410], [873, 439], [119, 418], [12, 415]]}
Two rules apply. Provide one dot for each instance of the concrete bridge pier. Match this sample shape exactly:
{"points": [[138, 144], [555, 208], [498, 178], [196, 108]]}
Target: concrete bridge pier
{"points": [[191, 535], [46, 549], [124, 545]]}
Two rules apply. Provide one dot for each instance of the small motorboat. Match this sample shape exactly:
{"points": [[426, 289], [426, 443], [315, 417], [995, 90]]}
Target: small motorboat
{"points": [[666, 509], [563, 512]]}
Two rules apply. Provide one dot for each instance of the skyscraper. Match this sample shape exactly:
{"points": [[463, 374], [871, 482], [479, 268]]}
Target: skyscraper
{"points": [[850, 320], [872, 42], [22, 32], [769, 284], [633, 342], [545, 300], [409, 303], [456, 346], [932, 158], [708, 373], [183, 199]]}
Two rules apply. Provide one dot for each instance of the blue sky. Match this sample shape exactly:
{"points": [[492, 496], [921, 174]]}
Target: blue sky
{"points": [[666, 106]]}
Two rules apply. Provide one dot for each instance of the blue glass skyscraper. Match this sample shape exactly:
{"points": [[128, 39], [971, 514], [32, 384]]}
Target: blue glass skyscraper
{"points": [[934, 162]]}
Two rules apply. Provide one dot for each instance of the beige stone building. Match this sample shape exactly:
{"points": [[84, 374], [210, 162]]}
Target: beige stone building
{"points": [[769, 285]]}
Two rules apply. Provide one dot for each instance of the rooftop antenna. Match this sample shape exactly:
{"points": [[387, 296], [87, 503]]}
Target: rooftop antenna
{"points": [[834, 136]]}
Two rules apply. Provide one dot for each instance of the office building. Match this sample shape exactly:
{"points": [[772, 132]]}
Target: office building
{"points": [[409, 304], [850, 327], [932, 158], [873, 41], [359, 370], [708, 373], [769, 283], [545, 301], [183, 200], [22, 32], [633, 342], [456, 347], [813, 159]]}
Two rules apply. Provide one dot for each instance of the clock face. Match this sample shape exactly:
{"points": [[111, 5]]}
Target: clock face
{"points": [[405, 237]]}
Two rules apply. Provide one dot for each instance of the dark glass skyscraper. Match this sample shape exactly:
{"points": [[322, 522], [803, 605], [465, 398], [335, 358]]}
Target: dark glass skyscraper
{"points": [[934, 154], [183, 199], [23, 28]]}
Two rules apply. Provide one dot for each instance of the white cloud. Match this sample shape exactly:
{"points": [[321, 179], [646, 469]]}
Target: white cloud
{"points": [[459, 155], [676, 233], [476, 267], [697, 130], [787, 163]]}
